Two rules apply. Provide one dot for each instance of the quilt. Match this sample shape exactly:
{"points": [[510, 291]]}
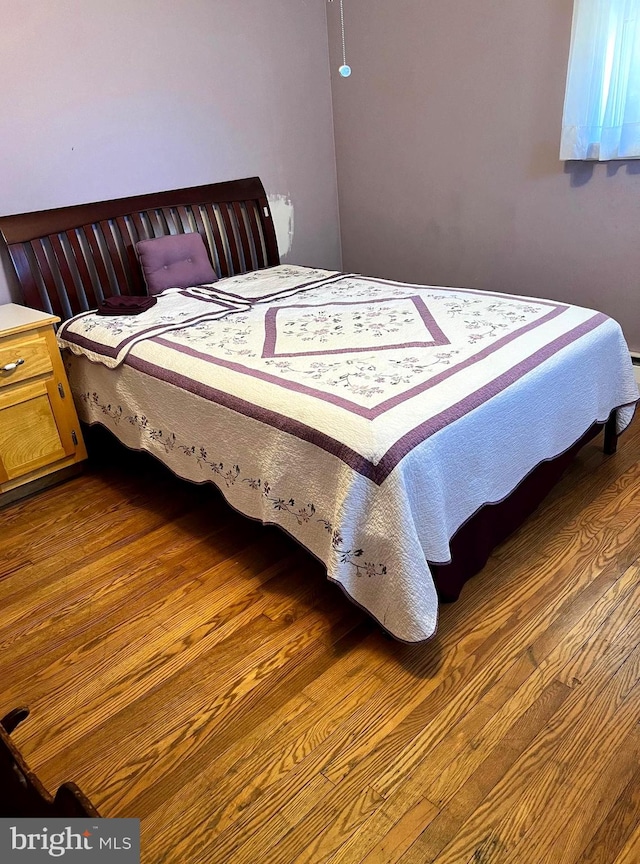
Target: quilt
{"points": [[368, 418]]}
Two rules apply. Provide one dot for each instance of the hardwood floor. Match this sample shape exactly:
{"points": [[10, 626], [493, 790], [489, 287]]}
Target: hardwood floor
{"points": [[189, 667]]}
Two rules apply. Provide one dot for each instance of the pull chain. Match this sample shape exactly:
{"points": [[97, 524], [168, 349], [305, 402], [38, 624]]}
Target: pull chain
{"points": [[345, 69]]}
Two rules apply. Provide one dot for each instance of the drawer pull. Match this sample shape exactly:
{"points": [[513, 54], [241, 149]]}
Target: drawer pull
{"points": [[9, 367]]}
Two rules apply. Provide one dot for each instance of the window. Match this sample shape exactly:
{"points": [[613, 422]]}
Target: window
{"points": [[602, 104]]}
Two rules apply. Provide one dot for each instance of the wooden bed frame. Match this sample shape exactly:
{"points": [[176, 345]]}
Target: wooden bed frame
{"points": [[67, 260]]}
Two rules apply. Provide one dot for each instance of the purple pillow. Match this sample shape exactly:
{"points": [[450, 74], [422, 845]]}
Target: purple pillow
{"points": [[175, 261]]}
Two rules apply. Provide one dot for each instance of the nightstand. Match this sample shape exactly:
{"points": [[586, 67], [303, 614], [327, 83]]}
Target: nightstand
{"points": [[40, 438]]}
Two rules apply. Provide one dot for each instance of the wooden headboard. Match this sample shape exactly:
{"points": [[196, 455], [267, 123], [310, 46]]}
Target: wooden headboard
{"points": [[67, 260]]}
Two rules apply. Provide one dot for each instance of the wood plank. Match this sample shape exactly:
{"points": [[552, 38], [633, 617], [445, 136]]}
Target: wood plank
{"points": [[597, 793], [630, 853], [195, 669], [253, 773], [251, 713], [616, 827], [453, 761], [447, 824], [414, 732], [394, 842], [593, 718]]}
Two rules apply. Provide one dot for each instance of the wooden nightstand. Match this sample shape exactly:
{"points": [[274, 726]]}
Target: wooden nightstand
{"points": [[39, 429]]}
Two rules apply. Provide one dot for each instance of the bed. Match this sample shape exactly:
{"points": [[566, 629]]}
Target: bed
{"points": [[398, 432]]}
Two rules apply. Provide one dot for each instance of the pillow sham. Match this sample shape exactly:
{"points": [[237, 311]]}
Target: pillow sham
{"points": [[175, 261]]}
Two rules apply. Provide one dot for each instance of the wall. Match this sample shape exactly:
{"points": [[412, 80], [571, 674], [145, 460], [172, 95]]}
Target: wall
{"points": [[447, 142], [103, 100]]}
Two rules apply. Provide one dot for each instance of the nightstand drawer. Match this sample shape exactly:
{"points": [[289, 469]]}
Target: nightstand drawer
{"points": [[40, 437], [30, 354]]}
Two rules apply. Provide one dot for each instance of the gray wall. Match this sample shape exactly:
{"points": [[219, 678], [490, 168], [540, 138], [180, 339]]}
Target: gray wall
{"points": [[447, 141], [103, 100]]}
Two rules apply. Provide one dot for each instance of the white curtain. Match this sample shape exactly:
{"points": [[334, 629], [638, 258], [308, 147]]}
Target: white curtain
{"points": [[602, 103]]}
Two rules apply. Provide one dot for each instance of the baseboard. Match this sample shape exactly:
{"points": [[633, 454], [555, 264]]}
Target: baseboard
{"points": [[40, 483], [635, 359]]}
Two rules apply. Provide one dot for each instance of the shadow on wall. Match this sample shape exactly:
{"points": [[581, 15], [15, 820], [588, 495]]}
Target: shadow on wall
{"points": [[581, 172], [12, 292], [282, 212]]}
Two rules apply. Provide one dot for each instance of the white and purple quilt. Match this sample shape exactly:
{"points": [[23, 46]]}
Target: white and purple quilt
{"points": [[368, 418]]}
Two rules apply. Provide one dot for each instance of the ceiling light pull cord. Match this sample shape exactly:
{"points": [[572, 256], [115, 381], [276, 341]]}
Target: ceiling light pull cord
{"points": [[345, 69]]}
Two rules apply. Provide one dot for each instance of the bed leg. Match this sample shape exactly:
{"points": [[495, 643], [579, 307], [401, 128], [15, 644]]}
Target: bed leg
{"points": [[610, 434]]}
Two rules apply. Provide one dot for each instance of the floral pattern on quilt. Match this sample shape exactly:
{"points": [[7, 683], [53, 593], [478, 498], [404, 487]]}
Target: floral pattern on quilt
{"points": [[359, 340], [120, 325], [230, 475]]}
